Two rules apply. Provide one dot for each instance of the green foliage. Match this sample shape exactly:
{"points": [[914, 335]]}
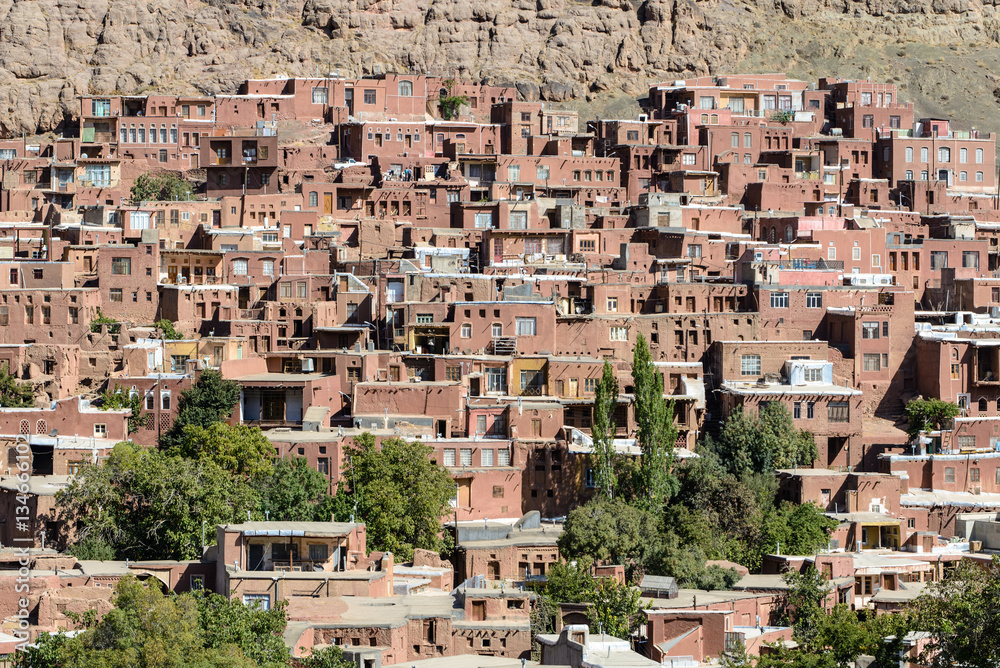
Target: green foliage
{"points": [[962, 612], [92, 548], [14, 394], [685, 562], [398, 493], [328, 657], [229, 623], [113, 325], [241, 450], [211, 400], [162, 187], [168, 330], [800, 529], [806, 594], [569, 582], [750, 444], [616, 609], [449, 105], [146, 504], [119, 399], [656, 432], [929, 415], [603, 429], [147, 629], [296, 492], [607, 530], [783, 116]]}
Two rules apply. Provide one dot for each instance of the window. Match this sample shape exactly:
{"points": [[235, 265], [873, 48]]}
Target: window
{"points": [[734, 140], [525, 326], [872, 362], [613, 304], [484, 219], [909, 175], [466, 331], [856, 254], [979, 177], [939, 260], [449, 456], [465, 455], [369, 96], [955, 372], [121, 266], [257, 601], [513, 172], [838, 411], [979, 156], [814, 300], [797, 410], [925, 154], [963, 176], [963, 155], [779, 300], [909, 154], [688, 159], [453, 373], [694, 251], [405, 88], [496, 380], [949, 474], [486, 457], [425, 318], [542, 172], [970, 259], [869, 330], [503, 457], [868, 121], [239, 267], [320, 94], [747, 140], [944, 154], [313, 199], [618, 334], [116, 296], [973, 475], [268, 267], [100, 430], [750, 365]]}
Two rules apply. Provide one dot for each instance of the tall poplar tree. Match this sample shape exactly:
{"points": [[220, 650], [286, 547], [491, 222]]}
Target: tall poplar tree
{"points": [[603, 430], [656, 431]]}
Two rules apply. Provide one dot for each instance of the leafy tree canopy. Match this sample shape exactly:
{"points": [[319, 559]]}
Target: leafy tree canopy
{"points": [[760, 444], [146, 504], [162, 187], [211, 400], [169, 332], [14, 394], [296, 492], [607, 530], [398, 493], [241, 450], [656, 432], [928, 415]]}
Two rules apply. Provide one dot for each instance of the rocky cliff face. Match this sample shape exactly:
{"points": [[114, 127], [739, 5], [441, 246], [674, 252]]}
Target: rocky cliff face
{"points": [[941, 52]]}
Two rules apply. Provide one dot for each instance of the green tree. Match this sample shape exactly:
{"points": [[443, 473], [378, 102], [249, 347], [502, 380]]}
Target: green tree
{"points": [[255, 632], [296, 492], [241, 450], [928, 415], [685, 562], [962, 613], [162, 187], [398, 493], [657, 434], [761, 444], [211, 400], [120, 399], [615, 610], [607, 530], [92, 548], [327, 657], [169, 332], [603, 430], [14, 394], [146, 504], [807, 592], [449, 105], [796, 528]]}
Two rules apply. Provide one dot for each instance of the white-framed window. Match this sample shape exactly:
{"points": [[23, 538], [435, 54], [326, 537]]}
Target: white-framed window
{"points": [[750, 365], [100, 430], [963, 155], [139, 220], [813, 374], [320, 94], [484, 219], [814, 300], [944, 154], [856, 254], [618, 333], [449, 456], [518, 220], [240, 267], [496, 330], [909, 154], [876, 260], [165, 399], [979, 177], [925, 154], [688, 159], [503, 457], [525, 326], [268, 267], [612, 304], [486, 456], [513, 172], [257, 601], [465, 455], [466, 331], [779, 300], [979, 156]]}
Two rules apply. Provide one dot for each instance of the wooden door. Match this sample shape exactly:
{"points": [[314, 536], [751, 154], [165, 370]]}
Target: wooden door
{"points": [[327, 203]]}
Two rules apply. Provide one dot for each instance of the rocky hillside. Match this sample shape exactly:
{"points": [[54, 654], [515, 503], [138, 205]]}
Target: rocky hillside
{"points": [[592, 55]]}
